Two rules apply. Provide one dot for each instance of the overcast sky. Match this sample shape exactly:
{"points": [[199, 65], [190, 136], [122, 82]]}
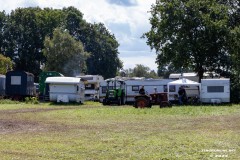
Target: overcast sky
{"points": [[126, 19]]}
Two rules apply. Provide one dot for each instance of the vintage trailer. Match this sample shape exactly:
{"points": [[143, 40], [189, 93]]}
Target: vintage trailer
{"points": [[2, 85], [65, 89], [132, 87], [92, 84], [215, 90], [19, 84]]}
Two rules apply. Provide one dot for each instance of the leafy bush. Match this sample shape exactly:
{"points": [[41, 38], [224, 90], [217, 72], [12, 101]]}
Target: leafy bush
{"points": [[32, 100]]}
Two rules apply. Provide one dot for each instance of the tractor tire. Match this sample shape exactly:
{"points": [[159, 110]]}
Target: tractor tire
{"points": [[104, 102], [141, 102], [165, 104]]}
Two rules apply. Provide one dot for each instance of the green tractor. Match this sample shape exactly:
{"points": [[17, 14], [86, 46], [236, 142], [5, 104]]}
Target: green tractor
{"points": [[115, 92]]}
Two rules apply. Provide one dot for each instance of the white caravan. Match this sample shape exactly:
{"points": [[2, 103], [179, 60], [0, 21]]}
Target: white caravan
{"points": [[215, 91], [192, 89], [92, 84], [133, 86], [66, 89]]}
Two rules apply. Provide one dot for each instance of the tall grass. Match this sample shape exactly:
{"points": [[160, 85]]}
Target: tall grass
{"points": [[93, 131]]}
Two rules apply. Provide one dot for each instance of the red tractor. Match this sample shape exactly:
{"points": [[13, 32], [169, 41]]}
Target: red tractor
{"points": [[143, 101]]}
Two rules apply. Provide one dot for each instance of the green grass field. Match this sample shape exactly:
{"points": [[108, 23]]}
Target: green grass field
{"points": [[92, 131]]}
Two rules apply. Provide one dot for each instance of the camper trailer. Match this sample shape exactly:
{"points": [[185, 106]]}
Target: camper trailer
{"points": [[65, 89], [133, 85], [215, 91], [92, 83]]}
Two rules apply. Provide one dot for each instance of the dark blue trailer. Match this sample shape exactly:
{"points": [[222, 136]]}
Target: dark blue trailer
{"points": [[19, 84]]}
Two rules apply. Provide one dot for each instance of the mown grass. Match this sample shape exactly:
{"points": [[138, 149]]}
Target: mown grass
{"points": [[93, 131]]}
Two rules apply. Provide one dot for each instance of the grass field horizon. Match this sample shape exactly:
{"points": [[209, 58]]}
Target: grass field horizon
{"points": [[93, 131]]}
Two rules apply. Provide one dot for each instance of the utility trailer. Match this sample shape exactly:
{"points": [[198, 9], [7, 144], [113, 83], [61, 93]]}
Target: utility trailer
{"points": [[19, 85]]}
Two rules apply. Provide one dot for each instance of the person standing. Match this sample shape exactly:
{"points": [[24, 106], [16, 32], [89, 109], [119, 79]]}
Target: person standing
{"points": [[181, 95]]}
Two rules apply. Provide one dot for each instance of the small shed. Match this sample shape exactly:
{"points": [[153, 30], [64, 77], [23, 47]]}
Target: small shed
{"points": [[2, 84], [192, 89], [19, 84], [65, 89], [215, 90]]}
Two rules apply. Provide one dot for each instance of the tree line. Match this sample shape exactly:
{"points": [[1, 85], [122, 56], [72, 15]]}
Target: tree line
{"points": [[199, 36], [38, 39]]}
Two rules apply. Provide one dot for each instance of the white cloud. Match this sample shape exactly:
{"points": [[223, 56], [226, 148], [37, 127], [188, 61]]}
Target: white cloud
{"points": [[126, 19]]}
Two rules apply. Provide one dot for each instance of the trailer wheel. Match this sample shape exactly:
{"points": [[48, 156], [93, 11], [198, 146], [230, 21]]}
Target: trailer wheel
{"points": [[141, 102]]}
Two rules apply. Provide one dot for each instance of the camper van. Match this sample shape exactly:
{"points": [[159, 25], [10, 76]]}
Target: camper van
{"points": [[133, 85], [92, 83], [215, 91]]}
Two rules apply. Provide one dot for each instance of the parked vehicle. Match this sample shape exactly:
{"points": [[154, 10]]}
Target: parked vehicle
{"points": [[65, 89], [115, 93], [19, 84], [92, 84], [161, 99], [215, 91]]}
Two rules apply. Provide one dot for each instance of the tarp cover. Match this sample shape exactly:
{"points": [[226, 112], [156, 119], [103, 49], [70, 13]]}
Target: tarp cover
{"points": [[183, 81]]}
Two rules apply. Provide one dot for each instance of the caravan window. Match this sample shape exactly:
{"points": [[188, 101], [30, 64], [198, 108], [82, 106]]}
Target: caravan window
{"points": [[135, 88], [172, 88], [15, 80], [212, 89], [104, 89], [164, 88], [89, 86]]}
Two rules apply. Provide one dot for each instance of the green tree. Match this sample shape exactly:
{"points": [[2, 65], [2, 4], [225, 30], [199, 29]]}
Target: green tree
{"points": [[104, 48], [64, 54], [190, 34], [22, 35], [5, 64], [141, 71], [2, 23], [24, 31]]}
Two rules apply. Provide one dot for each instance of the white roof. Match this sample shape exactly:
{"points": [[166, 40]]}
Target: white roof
{"points": [[184, 81], [177, 75], [63, 80]]}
